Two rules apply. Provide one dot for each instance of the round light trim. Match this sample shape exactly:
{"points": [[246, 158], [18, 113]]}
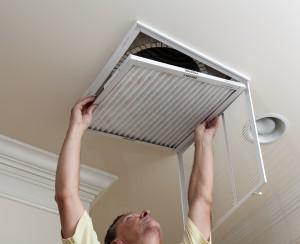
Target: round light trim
{"points": [[270, 127]]}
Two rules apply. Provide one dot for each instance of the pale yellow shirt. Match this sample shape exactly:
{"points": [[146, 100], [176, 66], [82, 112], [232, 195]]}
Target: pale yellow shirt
{"points": [[85, 233]]}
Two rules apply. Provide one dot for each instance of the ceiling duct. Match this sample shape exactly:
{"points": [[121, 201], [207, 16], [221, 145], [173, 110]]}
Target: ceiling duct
{"points": [[155, 90], [148, 47]]}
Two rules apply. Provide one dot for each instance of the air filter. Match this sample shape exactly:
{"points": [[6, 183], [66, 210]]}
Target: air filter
{"points": [[155, 90], [161, 104]]}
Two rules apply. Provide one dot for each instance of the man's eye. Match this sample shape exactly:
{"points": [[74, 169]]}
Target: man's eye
{"points": [[131, 217], [128, 218]]}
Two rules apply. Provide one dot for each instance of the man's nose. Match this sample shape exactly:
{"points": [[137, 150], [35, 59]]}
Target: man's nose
{"points": [[144, 213]]}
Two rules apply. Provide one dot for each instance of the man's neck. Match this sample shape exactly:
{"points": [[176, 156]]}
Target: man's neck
{"points": [[152, 239]]}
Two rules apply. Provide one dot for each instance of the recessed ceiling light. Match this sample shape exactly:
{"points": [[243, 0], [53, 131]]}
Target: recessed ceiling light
{"points": [[270, 127]]}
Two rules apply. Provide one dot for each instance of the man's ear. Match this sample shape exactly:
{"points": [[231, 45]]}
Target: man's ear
{"points": [[117, 241]]}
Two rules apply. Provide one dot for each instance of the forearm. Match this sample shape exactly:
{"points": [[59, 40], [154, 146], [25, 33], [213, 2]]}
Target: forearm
{"points": [[67, 195], [201, 180], [67, 172]]}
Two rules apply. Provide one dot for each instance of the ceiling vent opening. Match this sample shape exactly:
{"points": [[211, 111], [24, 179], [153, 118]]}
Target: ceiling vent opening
{"points": [[155, 90], [152, 49], [170, 56], [148, 47]]}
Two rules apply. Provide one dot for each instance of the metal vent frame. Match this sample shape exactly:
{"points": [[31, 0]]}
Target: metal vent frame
{"points": [[106, 73]]}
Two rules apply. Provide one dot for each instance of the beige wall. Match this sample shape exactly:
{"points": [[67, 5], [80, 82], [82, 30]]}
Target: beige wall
{"points": [[20, 223]]}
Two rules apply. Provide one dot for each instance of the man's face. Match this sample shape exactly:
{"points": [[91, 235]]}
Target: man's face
{"points": [[138, 228]]}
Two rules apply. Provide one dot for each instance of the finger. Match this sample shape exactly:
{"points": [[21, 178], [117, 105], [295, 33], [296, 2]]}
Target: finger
{"points": [[201, 124], [85, 101], [86, 107], [200, 127], [83, 98], [92, 108], [213, 123]]}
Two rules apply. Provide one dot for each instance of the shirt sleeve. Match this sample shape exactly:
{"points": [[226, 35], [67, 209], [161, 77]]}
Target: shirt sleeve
{"points": [[84, 232], [192, 235]]}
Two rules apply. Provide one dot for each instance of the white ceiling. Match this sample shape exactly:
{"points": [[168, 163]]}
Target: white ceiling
{"points": [[51, 51]]}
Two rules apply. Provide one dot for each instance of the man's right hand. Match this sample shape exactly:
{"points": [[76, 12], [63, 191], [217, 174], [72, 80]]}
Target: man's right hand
{"points": [[81, 113]]}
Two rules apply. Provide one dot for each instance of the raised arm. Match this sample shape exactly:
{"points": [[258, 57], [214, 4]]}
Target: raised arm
{"points": [[201, 180], [67, 173]]}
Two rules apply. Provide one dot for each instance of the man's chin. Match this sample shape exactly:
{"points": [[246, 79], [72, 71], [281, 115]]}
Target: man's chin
{"points": [[153, 225], [153, 231]]}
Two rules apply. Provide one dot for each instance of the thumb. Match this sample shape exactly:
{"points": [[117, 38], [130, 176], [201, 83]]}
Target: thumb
{"points": [[92, 108], [213, 123]]}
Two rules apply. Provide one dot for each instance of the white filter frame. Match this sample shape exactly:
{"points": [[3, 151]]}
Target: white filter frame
{"points": [[230, 89], [139, 27]]}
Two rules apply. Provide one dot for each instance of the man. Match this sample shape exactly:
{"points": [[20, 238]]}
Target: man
{"points": [[130, 228]]}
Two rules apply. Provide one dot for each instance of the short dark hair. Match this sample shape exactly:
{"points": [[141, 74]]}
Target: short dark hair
{"points": [[111, 233]]}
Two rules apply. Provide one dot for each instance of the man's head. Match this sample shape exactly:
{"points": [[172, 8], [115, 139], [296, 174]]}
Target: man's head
{"points": [[134, 228]]}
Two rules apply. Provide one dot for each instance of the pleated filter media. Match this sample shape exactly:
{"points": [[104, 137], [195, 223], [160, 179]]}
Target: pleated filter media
{"points": [[156, 103]]}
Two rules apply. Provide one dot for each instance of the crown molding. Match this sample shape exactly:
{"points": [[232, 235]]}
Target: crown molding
{"points": [[27, 175]]}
